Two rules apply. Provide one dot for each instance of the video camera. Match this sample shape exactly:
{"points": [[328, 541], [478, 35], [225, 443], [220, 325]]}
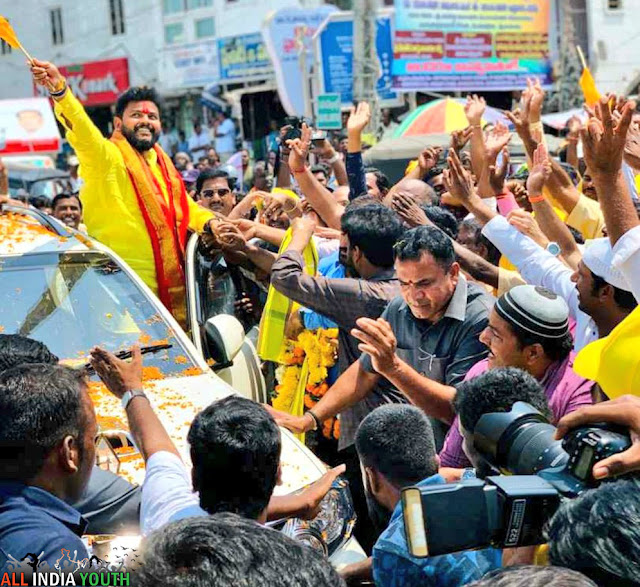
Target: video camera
{"points": [[510, 510]]}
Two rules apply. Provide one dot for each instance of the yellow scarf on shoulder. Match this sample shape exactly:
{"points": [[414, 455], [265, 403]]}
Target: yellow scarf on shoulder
{"points": [[166, 221], [279, 307]]}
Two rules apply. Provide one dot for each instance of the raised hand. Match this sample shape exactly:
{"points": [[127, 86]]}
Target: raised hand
{"points": [[47, 74], [406, 207], [539, 172], [498, 173], [359, 118], [603, 140], [496, 140], [537, 98], [299, 149], [458, 180], [378, 341], [119, 376], [525, 223], [474, 109], [459, 138], [428, 158]]}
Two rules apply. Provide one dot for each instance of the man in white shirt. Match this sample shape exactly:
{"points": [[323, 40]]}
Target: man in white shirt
{"points": [[225, 132], [235, 450], [198, 141], [598, 295]]}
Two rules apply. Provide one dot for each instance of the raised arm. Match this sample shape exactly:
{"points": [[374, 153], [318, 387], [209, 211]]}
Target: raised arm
{"points": [[319, 197], [604, 144], [358, 120], [551, 225], [85, 138], [119, 377]]}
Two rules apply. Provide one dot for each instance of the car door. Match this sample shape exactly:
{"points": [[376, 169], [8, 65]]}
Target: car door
{"points": [[212, 290]]}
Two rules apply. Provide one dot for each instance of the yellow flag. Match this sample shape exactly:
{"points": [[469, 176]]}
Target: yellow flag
{"points": [[589, 89], [7, 34]]}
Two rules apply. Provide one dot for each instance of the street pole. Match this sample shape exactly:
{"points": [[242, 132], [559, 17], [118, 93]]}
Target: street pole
{"points": [[366, 69], [304, 74]]}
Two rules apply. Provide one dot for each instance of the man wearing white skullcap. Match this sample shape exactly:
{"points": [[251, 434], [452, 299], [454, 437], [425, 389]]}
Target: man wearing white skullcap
{"points": [[528, 329], [598, 295]]}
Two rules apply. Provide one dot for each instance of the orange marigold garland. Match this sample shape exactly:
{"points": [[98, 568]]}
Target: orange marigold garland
{"points": [[319, 347]]}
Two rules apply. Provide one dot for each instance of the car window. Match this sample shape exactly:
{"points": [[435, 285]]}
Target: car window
{"points": [[74, 301]]}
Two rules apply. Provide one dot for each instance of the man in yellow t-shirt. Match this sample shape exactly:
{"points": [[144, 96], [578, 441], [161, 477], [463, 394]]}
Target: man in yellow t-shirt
{"points": [[133, 197]]}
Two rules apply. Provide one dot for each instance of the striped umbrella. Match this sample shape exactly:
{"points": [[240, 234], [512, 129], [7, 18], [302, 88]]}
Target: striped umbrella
{"points": [[443, 116]]}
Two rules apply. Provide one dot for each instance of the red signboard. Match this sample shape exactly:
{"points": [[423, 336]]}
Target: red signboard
{"points": [[96, 83]]}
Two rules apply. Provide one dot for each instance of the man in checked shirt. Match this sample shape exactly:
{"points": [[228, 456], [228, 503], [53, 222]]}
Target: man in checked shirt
{"points": [[424, 342]]}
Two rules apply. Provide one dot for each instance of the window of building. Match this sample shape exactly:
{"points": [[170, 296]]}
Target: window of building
{"points": [[205, 28], [57, 35], [614, 4], [5, 48], [117, 17], [171, 6], [174, 33], [191, 4]]}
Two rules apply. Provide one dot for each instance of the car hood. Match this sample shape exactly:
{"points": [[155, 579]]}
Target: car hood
{"points": [[176, 401]]}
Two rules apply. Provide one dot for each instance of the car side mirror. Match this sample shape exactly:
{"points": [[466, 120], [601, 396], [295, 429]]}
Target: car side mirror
{"points": [[225, 336]]}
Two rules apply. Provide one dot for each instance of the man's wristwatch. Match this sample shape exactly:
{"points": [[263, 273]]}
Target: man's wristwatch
{"points": [[129, 395], [553, 248]]}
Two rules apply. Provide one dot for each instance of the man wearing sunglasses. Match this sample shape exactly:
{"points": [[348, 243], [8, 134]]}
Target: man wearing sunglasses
{"points": [[214, 190]]}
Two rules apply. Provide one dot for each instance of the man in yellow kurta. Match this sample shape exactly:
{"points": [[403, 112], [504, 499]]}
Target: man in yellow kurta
{"points": [[133, 197]]}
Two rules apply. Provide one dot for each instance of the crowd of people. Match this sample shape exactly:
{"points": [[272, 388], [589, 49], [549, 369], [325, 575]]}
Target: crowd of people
{"points": [[470, 284]]}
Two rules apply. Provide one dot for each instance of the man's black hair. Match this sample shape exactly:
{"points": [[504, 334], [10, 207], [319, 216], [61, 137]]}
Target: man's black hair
{"points": [[382, 181], [227, 550], [497, 390], [443, 219], [397, 441], [321, 168], [374, 229], [598, 534], [213, 174], [56, 200], [533, 576], [557, 349], [623, 298], [235, 449], [471, 224], [137, 94], [40, 405], [425, 239], [16, 349]]}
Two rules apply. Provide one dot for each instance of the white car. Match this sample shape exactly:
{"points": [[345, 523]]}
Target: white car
{"points": [[72, 293]]}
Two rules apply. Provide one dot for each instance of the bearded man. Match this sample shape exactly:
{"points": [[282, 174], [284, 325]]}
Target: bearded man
{"points": [[133, 197]]}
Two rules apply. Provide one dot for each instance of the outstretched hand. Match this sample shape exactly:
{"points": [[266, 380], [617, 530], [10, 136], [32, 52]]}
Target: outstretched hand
{"points": [[359, 117], [118, 375], [603, 139], [299, 148], [46, 74], [458, 180], [474, 109], [539, 172]]}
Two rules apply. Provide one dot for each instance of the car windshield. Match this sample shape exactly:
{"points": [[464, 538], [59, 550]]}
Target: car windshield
{"points": [[74, 301]]}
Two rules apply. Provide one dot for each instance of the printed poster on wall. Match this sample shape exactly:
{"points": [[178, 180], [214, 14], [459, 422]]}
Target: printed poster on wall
{"points": [[472, 45]]}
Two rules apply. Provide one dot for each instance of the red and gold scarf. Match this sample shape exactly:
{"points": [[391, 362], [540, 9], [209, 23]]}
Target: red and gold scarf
{"points": [[166, 222]]}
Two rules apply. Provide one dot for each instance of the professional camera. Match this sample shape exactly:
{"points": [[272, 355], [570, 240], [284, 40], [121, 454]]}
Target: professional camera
{"points": [[508, 510]]}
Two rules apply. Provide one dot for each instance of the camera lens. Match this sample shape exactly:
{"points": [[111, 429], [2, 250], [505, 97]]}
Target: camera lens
{"points": [[531, 447], [520, 441]]}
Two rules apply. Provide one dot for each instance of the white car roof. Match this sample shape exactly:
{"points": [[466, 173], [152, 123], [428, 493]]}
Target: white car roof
{"points": [[30, 231]]}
